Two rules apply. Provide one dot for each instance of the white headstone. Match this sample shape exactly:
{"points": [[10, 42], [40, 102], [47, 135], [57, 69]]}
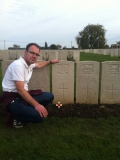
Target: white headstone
{"points": [[112, 52], [12, 54], [87, 82], [63, 82], [76, 55], [20, 53], [116, 52], [40, 79], [110, 82], [1, 55], [5, 55], [5, 65], [62, 54]]}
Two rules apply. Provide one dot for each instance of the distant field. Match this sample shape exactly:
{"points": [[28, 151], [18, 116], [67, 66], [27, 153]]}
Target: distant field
{"points": [[97, 57]]}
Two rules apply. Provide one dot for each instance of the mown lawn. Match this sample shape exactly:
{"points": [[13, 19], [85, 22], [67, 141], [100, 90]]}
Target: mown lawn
{"points": [[97, 57], [63, 138]]}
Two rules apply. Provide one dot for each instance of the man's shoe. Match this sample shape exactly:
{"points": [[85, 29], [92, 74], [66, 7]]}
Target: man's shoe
{"points": [[17, 124]]}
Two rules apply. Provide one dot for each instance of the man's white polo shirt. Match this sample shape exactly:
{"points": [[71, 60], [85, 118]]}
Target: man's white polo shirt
{"points": [[17, 71]]}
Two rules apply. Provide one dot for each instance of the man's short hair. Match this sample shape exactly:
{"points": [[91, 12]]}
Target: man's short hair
{"points": [[31, 44]]}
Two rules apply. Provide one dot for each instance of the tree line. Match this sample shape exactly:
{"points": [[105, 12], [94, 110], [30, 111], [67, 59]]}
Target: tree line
{"points": [[91, 37], [52, 46]]}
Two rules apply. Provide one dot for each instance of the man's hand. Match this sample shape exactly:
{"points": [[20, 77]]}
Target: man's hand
{"points": [[42, 111], [54, 61], [45, 63], [27, 97]]}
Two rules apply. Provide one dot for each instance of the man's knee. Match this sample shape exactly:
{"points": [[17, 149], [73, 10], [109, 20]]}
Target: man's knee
{"points": [[52, 97], [49, 96]]}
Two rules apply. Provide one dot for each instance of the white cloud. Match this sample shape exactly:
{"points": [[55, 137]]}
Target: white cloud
{"points": [[56, 21]]}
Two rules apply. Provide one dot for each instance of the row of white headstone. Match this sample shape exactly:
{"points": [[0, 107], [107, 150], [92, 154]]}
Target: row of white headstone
{"points": [[85, 85], [58, 54], [112, 52], [44, 54]]}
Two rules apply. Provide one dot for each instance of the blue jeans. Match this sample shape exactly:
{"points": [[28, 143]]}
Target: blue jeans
{"points": [[27, 113]]}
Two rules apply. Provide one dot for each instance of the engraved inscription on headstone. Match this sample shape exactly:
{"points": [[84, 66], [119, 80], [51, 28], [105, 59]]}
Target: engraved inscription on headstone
{"points": [[112, 90], [110, 80], [62, 91], [63, 82], [87, 82], [88, 69], [113, 68], [63, 69], [88, 89]]}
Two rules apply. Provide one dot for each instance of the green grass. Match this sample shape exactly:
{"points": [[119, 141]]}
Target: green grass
{"points": [[97, 57], [63, 138]]}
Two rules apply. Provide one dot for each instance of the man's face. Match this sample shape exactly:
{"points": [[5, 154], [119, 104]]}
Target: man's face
{"points": [[31, 55]]}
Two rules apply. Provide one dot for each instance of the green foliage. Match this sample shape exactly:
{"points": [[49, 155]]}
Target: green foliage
{"points": [[16, 46], [92, 37], [106, 46], [53, 46], [58, 46], [64, 47], [46, 45], [70, 58], [11, 48], [46, 57]]}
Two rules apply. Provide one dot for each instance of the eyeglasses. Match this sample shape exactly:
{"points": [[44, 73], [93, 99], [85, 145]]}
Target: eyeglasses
{"points": [[33, 53]]}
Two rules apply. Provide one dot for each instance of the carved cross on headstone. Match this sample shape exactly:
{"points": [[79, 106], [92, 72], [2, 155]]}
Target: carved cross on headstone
{"points": [[63, 89], [112, 90], [88, 88]]}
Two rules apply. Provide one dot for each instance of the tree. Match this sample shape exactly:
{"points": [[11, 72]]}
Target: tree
{"points": [[58, 46], [106, 46], [16, 46], [53, 46], [46, 46], [64, 47], [91, 37]]}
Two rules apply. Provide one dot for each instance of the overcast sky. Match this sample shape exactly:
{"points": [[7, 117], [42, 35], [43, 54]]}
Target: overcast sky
{"points": [[55, 21]]}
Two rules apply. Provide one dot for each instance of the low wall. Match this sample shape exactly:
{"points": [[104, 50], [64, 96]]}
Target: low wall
{"points": [[44, 54], [85, 86], [112, 52]]}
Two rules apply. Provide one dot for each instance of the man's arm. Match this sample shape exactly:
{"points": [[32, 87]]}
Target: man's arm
{"points": [[27, 97], [45, 63]]}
